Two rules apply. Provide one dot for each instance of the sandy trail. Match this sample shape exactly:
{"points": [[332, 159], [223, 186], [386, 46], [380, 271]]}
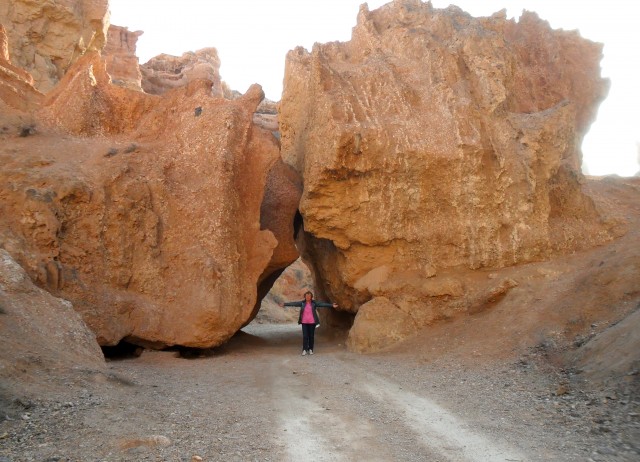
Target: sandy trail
{"points": [[334, 409], [257, 399]]}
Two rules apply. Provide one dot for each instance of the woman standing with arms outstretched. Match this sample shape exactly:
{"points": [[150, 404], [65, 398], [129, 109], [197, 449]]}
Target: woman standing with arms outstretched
{"points": [[308, 318]]}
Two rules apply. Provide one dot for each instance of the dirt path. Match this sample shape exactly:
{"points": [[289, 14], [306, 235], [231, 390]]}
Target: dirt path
{"points": [[332, 406], [382, 420], [258, 399]]}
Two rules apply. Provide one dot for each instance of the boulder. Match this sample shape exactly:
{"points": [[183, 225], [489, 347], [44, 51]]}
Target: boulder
{"points": [[277, 214], [42, 338], [437, 144], [46, 37], [142, 210]]}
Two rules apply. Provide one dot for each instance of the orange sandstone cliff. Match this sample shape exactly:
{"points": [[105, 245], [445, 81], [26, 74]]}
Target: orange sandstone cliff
{"points": [[435, 147]]}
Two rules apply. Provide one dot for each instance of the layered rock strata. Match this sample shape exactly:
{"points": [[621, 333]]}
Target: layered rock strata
{"points": [[434, 145], [46, 37], [267, 116], [16, 85], [143, 210], [165, 72]]}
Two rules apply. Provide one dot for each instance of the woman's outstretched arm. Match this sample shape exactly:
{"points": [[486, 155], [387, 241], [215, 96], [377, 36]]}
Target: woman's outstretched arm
{"points": [[326, 305], [290, 303]]}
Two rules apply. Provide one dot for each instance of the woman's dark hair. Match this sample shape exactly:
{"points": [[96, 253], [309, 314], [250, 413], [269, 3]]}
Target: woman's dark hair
{"points": [[308, 292]]}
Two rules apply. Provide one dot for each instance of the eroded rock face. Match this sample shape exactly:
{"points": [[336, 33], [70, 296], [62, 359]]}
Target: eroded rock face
{"points": [[142, 210], [165, 72], [16, 85], [119, 54], [435, 144], [99, 108], [46, 37], [41, 337]]}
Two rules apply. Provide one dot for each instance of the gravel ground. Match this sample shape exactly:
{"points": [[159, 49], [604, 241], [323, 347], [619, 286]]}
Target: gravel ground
{"points": [[257, 399]]}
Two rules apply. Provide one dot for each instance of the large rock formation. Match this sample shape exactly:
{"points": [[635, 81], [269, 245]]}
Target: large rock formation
{"points": [[436, 150], [119, 54], [46, 37], [165, 72], [433, 145], [41, 337], [143, 210]]}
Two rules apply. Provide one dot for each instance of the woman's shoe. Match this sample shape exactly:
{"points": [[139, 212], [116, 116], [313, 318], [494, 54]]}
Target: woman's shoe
{"points": [[304, 353], [310, 352]]}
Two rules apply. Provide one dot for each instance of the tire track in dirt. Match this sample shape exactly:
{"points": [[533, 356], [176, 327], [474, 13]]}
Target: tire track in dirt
{"points": [[437, 428], [332, 407], [329, 407], [317, 421]]}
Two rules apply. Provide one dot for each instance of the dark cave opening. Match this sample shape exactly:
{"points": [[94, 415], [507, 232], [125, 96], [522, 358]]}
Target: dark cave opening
{"points": [[123, 350]]}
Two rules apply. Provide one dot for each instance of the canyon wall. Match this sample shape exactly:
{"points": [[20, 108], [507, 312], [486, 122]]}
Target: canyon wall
{"points": [[291, 285], [426, 154], [17, 91], [434, 148]]}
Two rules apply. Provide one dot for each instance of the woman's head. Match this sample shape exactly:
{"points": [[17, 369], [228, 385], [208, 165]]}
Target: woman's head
{"points": [[308, 296]]}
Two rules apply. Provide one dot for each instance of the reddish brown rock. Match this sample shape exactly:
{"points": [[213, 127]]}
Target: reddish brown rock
{"points": [[278, 210], [142, 210], [46, 37], [434, 144], [119, 54], [165, 72]]}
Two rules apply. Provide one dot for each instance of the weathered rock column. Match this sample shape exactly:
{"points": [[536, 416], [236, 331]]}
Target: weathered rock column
{"points": [[120, 57]]}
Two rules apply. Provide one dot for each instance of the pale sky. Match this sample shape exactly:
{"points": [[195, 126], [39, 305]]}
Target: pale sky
{"points": [[253, 37]]}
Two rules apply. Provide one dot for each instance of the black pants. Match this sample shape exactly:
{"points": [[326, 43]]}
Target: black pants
{"points": [[308, 330]]}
